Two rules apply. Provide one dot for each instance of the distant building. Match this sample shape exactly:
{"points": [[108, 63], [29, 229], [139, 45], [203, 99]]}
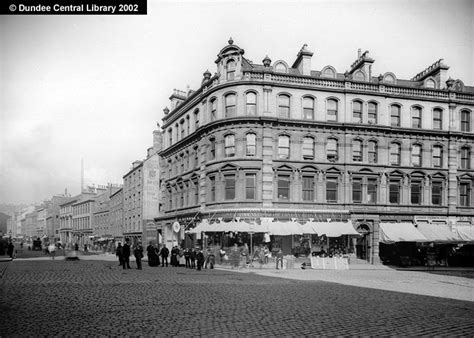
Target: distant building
{"points": [[3, 224], [116, 215]]}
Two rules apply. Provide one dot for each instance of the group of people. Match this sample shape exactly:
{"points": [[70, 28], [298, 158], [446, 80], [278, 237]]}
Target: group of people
{"points": [[123, 253]]}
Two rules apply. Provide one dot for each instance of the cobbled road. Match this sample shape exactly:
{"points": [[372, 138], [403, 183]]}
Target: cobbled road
{"points": [[98, 298]]}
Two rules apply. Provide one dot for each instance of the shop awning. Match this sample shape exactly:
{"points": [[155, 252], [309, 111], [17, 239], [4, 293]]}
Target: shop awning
{"points": [[465, 232], [438, 233], [283, 228], [333, 229], [400, 232], [234, 226]]}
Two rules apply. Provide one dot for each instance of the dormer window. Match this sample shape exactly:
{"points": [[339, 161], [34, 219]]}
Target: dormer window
{"points": [[430, 83], [231, 70], [280, 67], [359, 76]]}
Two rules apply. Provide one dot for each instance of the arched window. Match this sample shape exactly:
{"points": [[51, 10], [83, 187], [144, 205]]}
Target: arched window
{"points": [[372, 113], [372, 151], [308, 108], [465, 158], [395, 154], [331, 110], [328, 72], [357, 112], [357, 151], [331, 150], [229, 145], [430, 83], [308, 148], [359, 76], [213, 109], [230, 105], [280, 67], [465, 120], [416, 117], [416, 155], [389, 79], [437, 118], [196, 119], [395, 115], [231, 70], [212, 148], [437, 156], [251, 103], [283, 106], [251, 144], [284, 147]]}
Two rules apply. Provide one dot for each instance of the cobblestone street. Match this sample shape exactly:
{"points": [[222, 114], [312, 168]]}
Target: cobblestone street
{"points": [[94, 297]]}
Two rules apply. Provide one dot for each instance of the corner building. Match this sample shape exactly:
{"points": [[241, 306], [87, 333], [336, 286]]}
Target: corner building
{"points": [[285, 141]]}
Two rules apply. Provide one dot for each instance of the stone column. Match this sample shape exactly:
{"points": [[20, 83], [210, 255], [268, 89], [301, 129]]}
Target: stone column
{"points": [[267, 165]]}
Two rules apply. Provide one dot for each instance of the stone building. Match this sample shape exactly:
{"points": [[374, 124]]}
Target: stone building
{"points": [[116, 215], [283, 140]]}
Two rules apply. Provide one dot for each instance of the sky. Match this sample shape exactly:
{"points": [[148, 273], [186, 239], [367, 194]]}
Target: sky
{"points": [[94, 87]]}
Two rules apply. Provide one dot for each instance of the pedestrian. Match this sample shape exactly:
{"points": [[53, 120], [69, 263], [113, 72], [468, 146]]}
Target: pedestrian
{"points": [[138, 253], [164, 253], [221, 255], [235, 256], [126, 255], [244, 253], [187, 258], [193, 257], [10, 249], [119, 253], [52, 250], [76, 247], [210, 259], [279, 259], [200, 259], [153, 258], [174, 256]]}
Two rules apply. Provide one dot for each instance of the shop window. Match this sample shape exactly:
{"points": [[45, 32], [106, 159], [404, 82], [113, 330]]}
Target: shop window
{"points": [[372, 113], [284, 106], [395, 115], [251, 103], [251, 144], [357, 190], [331, 110], [283, 182], [284, 147], [229, 145], [250, 186], [437, 119], [308, 148], [331, 190], [308, 187], [357, 112]]}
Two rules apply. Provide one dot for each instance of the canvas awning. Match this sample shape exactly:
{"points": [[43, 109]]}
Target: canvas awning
{"points": [[234, 226], [400, 232], [465, 232], [333, 229], [438, 233], [283, 228]]}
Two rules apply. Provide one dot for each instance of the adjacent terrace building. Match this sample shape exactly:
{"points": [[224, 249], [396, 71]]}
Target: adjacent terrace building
{"points": [[286, 141]]}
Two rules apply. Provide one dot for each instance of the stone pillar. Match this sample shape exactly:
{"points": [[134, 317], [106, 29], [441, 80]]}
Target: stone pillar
{"points": [[266, 101], [267, 166]]}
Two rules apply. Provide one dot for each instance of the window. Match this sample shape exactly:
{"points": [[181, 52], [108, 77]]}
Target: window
{"points": [[372, 114], [359, 76], [415, 190], [230, 107], [437, 156], [280, 67], [416, 155], [212, 189], [196, 192], [170, 136], [394, 191], [284, 147], [465, 120], [436, 193], [212, 148], [328, 72], [331, 150], [229, 182], [389, 79], [250, 186], [308, 187], [251, 144], [213, 110], [283, 106], [395, 115], [331, 110], [308, 108], [357, 112], [437, 119], [430, 83], [308, 148], [196, 157], [283, 182], [465, 158], [196, 119], [357, 151], [331, 190], [372, 151], [357, 190], [231, 70], [464, 194], [229, 145], [251, 103], [182, 128], [415, 117], [394, 154], [371, 190]]}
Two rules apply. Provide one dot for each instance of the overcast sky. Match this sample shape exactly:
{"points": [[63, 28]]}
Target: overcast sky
{"points": [[93, 87]]}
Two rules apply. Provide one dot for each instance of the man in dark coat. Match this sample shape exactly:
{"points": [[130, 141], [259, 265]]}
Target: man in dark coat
{"points": [[126, 255], [192, 257], [119, 253], [138, 253], [153, 258], [164, 253], [200, 259]]}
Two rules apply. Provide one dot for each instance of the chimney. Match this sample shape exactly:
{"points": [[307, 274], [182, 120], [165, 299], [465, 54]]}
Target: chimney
{"points": [[303, 60]]}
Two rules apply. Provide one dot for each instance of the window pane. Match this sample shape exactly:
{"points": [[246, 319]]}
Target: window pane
{"points": [[465, 121], [213, 110], [465, 158], [372, 114], [332, 110], [250, 186], [437, 119], [436, 193], [230, 108], [308, 108], [212, 195], [283, 187], [464, 194], [284, 106], [308, 188], [308, 148], [372, 152], [357, 191], [394, 192], [395, 116], [284, 147], [357, 151], [437, 157], [416, 117], [229, 146], [394, 154], [415, 193], [331, 190], [251, 145], [229, 187], [416, 156], [372, 191], [331, 150], [357, 112], [251, 104]]}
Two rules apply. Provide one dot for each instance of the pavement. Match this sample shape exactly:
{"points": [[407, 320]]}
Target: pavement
{"points": [[94, 296]]}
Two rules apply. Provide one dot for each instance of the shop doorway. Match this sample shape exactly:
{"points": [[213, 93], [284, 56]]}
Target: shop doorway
{"points": [[363, 242]]}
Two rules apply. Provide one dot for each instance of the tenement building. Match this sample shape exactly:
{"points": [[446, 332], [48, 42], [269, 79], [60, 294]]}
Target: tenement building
{"points": [[284, 141]]}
